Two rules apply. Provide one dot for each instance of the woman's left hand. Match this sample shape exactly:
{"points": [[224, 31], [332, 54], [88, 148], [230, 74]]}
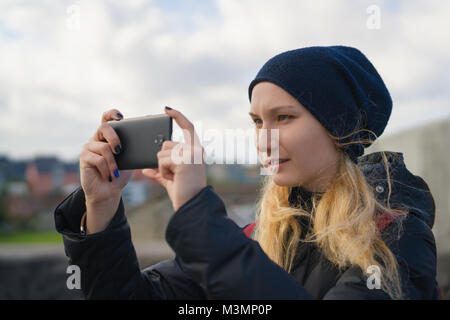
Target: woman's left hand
{"points": [[177, 171]]}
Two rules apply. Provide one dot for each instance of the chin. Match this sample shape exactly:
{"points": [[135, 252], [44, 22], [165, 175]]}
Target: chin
{"points": [[283, 180]]}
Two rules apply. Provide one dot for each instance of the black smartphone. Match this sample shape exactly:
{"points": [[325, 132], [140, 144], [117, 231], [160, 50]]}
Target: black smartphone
{"points": [[141, 138]]}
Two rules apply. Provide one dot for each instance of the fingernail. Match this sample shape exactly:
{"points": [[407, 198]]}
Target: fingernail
{"points": [[119, 115], [110, 179], [117, 149], [116, 173], [168, 108]]}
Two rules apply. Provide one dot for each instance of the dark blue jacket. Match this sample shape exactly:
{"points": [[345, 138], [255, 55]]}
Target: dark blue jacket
{"points": [[215, 259]]}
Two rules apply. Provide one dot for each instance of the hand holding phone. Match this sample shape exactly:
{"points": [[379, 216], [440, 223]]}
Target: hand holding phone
{"points": [[182, 180], [99, 175]]}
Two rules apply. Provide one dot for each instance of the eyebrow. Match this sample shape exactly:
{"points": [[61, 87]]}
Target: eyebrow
{"points": [[275, 109]]}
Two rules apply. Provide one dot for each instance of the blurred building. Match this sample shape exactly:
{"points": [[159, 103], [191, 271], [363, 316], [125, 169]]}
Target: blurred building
{"points": [[47, 174], [11, 170], [135, 193], [233, 173]]}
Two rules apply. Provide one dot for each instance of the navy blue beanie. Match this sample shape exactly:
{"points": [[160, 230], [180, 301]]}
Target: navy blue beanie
{"points": [[339, 86]]}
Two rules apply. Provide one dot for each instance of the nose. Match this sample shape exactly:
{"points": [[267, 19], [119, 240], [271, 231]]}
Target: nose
{"points": [[267, 141]]}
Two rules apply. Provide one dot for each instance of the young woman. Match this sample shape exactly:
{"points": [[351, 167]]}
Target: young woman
{"points": [[331, 223]]}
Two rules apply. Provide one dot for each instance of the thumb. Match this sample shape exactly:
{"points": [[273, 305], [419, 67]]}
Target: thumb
{"points": [[154, 175]]}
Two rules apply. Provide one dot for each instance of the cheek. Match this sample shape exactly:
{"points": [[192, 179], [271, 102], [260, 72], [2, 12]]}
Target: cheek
{"points": [[308, 148], [297, 143]]}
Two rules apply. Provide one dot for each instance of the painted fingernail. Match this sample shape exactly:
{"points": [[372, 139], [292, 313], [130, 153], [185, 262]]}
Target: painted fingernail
{"points": [[117, 149], [168, 108], [119, 115], [110, 179], [116, 173]]}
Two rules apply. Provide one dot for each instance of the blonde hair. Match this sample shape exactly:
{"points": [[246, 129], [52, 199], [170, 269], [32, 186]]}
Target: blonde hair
{"points": [[344, 220]]}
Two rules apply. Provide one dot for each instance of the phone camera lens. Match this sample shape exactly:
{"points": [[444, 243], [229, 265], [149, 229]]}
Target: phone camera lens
{"points": [[160, 139]]}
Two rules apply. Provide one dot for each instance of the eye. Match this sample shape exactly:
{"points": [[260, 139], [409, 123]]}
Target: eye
{"points": [[254, 121], [284, 115]]}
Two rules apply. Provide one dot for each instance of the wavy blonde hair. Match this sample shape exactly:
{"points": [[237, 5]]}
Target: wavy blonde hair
{"points": [[344, 220]]}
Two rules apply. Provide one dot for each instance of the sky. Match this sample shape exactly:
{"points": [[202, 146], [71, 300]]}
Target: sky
{"points": [[64, 63]]}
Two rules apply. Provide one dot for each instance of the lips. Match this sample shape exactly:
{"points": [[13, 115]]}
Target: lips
{"points": [[277, 166], [275, 162]]}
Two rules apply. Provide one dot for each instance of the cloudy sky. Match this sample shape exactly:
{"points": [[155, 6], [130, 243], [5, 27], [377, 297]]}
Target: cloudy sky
{"points": [[63, 63]]}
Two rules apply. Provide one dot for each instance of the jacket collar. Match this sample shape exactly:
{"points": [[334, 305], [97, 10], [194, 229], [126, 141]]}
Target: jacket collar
{"points": [[298, 195], [408, 191]]}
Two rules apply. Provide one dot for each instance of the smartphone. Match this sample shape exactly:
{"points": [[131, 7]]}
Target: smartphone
{"points": [[141, 138]]}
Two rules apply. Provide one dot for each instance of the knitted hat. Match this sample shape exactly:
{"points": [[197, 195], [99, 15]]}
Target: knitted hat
{"points": [[338, 85]]}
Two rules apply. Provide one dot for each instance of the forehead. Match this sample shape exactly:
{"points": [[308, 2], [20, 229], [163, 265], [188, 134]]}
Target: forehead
{"points": [[268, 97], [276, 108]]}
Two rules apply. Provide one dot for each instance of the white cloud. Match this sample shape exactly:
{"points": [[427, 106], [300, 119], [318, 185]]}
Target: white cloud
{"points": [[136, 56]]}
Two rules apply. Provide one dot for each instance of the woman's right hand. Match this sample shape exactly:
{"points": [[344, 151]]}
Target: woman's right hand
{"points": [[97, 164]]}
